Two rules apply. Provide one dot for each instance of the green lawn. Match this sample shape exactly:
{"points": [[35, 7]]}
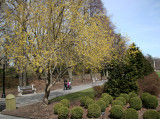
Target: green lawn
{"points": [[76, 96], [158, 73]]}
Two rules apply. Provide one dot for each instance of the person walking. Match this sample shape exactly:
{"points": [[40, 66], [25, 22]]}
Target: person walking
{"points": [[65, 84]]}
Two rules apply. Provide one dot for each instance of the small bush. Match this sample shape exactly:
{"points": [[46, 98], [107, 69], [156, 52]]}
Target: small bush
{"points": [[83, 100], [105, 99], [116, 111], [98, 90], [151, 114], [117, 102], [77, 113], [132, 94], [65, 102], [121, 99], [150, 102], [136, 103], [63, 112], [143, 96], [126, 96], [130, 113], [88, 102], [56, 107], [94, 110], [102, 105]]}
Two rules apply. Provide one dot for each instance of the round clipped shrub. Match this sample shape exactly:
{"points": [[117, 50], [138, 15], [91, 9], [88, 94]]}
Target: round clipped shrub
{"points": [[150, 102], [102, 105], [121, 99], [151, 114], [94, 110], [105, 100], [77, 113], [132, 94], [130, 113], [116, 111], [117, 102], [88, 102], [63, 112], [126, 96], [65, 102], [83, 100], [135, 103], [143, 96], [108, 97], [104, 94], [56, 107]]}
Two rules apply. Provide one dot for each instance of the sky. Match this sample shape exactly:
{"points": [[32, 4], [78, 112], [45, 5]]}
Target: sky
{"points": [[140, 20]]}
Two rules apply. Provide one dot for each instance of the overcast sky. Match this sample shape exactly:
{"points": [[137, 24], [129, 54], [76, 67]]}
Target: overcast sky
{"points": [[140, 19]]}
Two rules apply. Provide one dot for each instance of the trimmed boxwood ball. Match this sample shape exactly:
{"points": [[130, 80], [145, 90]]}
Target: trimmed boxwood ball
{"points": [[104, 94], [77, 112], [105, 100], [88, 102], [150, 102], [151, 114], [116, 111], [94, 111], [83, 100], [143, 96], [126, 96], [135, 103], [117, 102], [65, 102], [56, 107], [121, 99], [132, 94], [108, 97], [63, 112], [130, 113], [102, 105]]}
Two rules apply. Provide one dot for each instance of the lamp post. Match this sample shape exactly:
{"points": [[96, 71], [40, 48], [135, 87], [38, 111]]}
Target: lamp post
{"points": [[3, 94]]}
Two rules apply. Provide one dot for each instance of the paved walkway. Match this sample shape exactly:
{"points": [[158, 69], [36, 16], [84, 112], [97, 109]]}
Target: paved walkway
{"points": [[34, 98]]}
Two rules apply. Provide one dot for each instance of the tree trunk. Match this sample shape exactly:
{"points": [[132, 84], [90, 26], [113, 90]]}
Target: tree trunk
{"points": [[20, 79], [83, 74], [70, 74], [48, 87], [24, 76]]}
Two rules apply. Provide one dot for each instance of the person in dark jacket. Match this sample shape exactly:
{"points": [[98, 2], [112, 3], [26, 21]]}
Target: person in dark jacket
{"points": [[65, 84]]}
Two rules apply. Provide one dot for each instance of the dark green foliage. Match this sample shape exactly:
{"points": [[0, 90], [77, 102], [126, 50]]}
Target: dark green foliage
{"points": [[105, 99], [117, 102], [104, 94], [63, 112], [151, 114], [108, 97], [83, 100], [132, 94], [121, 99], [102, 105], [116, 111], [94, 110], [136, 103], [150, 102], [77, 113], [65, 102], [126, 96], [88, 102], [130, 113], [143, 96], [56, 107]]}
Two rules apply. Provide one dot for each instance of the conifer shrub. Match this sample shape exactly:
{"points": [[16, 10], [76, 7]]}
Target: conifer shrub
{"points": [[117, 102], [132, 94], [77, 113], [107, 97], [143, 96], [150, 102], [136, 103], [63, 113], [151, 114], [121, 99], [126, 96], [116, 112], [104, 94], [88, 102], [94, 111], [56, 107], [65, 102], [105, 100], [130, 113], [83, 100], [102, 105]]}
